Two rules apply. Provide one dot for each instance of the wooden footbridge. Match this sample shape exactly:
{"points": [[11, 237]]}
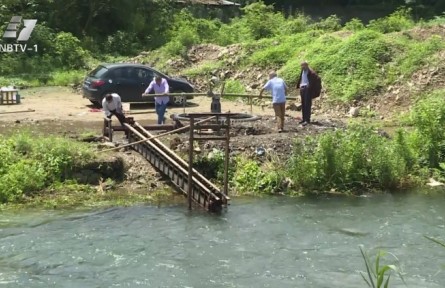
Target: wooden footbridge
{"points": [[183, 176]]}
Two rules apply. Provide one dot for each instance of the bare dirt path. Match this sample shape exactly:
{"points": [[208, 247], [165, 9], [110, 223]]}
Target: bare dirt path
{"points": [[62, 111], [55, 104]]}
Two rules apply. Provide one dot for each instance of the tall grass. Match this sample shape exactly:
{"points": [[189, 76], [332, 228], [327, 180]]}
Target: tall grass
{"points": [[359, 158], [378, 275], [355, 159], [66, 78]]}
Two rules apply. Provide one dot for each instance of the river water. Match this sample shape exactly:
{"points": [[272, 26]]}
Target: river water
{"points": [[268, 242]]}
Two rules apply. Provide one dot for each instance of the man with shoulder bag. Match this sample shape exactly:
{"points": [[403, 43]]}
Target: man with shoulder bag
{"points": [[309, 84]]}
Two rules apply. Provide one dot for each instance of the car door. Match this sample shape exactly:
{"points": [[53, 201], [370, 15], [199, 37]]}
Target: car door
{"points": [[145, 78], [119, 78], [126, 84]]}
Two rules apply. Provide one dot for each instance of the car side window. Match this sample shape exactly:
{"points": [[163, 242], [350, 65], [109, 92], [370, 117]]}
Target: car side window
{"points": [[150, 74], [132, 73], [119, 73], [144, 74]]}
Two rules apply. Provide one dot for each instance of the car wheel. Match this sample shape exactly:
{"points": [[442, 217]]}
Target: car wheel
{"points": [[178, 100], [96, 104], [102, 98]]}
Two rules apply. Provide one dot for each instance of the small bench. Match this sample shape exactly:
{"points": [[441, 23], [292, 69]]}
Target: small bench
{"points": [[9, 97]]}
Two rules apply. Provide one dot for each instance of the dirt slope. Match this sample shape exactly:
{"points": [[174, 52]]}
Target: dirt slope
{"points": [[395, 99]]}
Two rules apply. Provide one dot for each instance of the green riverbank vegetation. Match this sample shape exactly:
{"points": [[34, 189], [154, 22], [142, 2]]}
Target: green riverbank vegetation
{"points": [[353, 160], [46, 171]]}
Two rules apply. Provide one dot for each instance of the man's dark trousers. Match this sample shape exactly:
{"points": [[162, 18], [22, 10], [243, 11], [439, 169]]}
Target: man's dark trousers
{"points": [[306, 103], [119, 116]]}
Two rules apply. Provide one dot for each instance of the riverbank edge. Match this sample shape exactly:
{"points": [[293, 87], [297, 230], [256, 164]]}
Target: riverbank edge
{"points": [[93, 188]]}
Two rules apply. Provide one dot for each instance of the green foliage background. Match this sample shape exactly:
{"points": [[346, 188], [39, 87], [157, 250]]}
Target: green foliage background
{"points": [[355, 59]]}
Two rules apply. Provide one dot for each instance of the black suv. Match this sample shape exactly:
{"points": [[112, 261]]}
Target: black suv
{"points": [[129, 81]]}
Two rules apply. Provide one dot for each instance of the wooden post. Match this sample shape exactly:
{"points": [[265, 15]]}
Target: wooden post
{"points": [[110, 131], [104, 129], [226, 157], [190, 172], [184, 100]]}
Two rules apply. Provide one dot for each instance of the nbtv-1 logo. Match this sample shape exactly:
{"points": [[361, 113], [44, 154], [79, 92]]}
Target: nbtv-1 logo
{"points": [[20, 31]]}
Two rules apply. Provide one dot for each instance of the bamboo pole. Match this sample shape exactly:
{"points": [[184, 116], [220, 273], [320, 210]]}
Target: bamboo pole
{"points": [[222, 96], [174, 94], [157, 136], [21, 111]]}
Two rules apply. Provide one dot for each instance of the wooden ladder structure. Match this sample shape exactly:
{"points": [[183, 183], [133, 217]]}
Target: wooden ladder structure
{"points": [[187, 180]]}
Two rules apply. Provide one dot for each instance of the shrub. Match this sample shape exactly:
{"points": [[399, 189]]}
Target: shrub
{"points": [[428, 118], [22, 178], [250, 179], [69, 51], [345, 160], [174, 48], [122, 43], [296, 24], [234, 87], [30, 164], [261, 20], [212, 166], [330, 24], [354, 25], [187, 31], [234, 32], [397, 21], [279, 50]]}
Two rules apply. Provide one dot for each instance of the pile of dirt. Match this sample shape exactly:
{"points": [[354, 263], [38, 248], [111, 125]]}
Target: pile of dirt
{"points": [[258, 138], [400, 96], [424, 33], [139, 175]]}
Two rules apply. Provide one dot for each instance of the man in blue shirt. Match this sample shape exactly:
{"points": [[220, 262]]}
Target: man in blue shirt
{"points": [[278, 88]]}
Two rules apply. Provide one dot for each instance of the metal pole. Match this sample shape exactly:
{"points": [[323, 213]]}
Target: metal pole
{"points": [[226, 157], [190, 176]]}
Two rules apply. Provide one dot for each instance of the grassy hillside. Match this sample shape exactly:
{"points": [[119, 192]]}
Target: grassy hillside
{"points": [[356, 61]]}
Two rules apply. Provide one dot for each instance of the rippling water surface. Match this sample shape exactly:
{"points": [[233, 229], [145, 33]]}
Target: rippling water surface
{"points": [[275, 242]]}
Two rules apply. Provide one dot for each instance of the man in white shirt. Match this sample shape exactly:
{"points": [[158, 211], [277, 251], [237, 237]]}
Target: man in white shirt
{"points": [[112, 105], [159, 86]]}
